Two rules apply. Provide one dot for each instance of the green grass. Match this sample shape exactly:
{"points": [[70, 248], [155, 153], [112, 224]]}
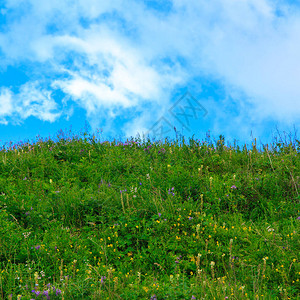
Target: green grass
{"points": [[80, 219]]}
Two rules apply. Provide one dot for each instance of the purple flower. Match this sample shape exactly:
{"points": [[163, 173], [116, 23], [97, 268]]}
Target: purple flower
{"points": [[153, 297], [37, 247], [102, 279], [233, 187], [58, 292], [27, 213], [298, 218], [193, 297], [36, 292], [190, 218], [46, 293], [159, 214]]}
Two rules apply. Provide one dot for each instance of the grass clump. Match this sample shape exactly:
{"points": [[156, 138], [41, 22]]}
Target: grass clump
{"points": [[84, 219]]}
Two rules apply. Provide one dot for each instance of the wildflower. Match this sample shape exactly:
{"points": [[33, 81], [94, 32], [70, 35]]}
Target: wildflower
{"points": [[159, 214], [298, 218], [37, 247], [153, 297], [58, 292], [46, 293], [26, 234], [233, 187], [102, 279], [35, 292]]}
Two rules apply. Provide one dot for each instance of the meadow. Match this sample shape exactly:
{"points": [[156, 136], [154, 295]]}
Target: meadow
{"points": [[82, 218]]}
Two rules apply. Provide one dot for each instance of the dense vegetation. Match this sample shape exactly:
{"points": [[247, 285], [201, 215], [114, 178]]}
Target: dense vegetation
{"points": [[85, 219]]}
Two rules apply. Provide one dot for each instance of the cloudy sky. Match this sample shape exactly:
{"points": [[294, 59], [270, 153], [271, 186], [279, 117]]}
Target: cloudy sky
{"points": [[231, 67]]}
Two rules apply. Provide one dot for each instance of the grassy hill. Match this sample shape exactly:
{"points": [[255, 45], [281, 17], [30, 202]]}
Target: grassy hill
{"points": [[84, 219]]}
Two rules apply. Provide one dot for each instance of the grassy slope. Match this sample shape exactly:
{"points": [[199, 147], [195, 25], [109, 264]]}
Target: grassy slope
{"points": [[80, 219]]}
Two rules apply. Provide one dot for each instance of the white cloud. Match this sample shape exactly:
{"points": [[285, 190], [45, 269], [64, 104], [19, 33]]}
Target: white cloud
{"points": [[6, 105], [31, 100], [37, 102]]}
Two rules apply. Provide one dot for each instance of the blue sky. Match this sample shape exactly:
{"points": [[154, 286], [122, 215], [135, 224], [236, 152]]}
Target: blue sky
{"points": [[230, 67]]}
